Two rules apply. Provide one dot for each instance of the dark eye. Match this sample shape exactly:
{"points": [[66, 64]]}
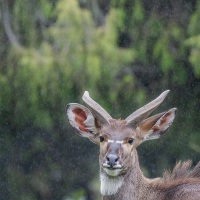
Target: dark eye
{"points": [[101, 138], [130, 140]]}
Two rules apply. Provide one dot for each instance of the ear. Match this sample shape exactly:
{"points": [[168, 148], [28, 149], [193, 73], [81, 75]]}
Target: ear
{"points": [[153, 127], [83, 121]]}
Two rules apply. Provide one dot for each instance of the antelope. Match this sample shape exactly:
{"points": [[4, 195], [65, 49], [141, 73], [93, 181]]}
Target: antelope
{"points": [[120, 174]]}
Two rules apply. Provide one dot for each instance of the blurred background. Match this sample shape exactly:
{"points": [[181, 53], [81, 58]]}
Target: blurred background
{"points": [[125, 53]]}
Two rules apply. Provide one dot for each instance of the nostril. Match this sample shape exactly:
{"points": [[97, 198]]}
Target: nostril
{"points": [[107, 158], [116, 159]]}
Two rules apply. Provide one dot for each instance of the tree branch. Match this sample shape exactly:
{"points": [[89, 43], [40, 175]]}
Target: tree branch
{"points": [[97, 13], [7, 26]]}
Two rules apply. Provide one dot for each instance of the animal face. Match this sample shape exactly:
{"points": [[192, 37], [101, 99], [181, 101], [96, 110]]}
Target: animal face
{"points": [[118, 139]]}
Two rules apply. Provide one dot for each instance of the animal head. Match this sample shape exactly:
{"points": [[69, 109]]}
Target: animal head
{"points": [[118, 139]]}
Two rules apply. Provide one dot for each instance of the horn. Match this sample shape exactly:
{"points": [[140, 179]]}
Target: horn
{"points": [[96, 109], [136, 117]]}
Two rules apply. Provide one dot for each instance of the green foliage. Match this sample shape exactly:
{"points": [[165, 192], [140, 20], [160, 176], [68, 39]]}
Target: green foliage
{"points": [[161, 52], [62, 54], [193, 26], [78, 195], [138, 11], [46, 8], [194, 43]]}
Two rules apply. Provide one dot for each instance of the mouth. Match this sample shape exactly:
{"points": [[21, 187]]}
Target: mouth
{"points": [[111, 167], [112, 170]]}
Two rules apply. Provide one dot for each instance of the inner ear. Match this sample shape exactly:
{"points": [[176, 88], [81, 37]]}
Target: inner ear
{"points": [[80, 117], [148, 123], [83, 121], [153, 127]]}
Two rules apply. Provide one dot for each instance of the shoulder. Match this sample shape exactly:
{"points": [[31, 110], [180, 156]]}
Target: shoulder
{"points": [[182, 182]]}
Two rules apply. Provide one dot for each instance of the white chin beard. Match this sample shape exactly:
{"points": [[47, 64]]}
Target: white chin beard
{"points": [[110, 185]]}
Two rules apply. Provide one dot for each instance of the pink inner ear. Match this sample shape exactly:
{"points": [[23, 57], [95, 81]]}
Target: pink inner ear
{"points": [[80, 117], [164, 119], [162, 122]]}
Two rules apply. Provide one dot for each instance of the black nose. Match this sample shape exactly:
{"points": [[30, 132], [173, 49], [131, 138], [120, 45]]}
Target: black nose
{"points": [[112, 159]]}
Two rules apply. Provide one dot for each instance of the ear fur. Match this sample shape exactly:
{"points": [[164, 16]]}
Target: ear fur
{"points": [[82, 120], [153, 127]]}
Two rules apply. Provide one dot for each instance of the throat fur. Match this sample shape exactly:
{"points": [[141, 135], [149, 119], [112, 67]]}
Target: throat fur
{"points": [[110, 185]]}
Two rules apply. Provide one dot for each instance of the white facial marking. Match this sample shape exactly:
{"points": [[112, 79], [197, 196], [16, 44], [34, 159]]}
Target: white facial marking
{"points": [[117, 141], [109, 185]]}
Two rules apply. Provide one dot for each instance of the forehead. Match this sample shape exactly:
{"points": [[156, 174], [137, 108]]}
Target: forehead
{"points": [[118, 130]]}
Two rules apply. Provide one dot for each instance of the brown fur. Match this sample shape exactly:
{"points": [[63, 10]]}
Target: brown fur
{"points": [[121, 177], [180, 175], [183, 183], [182, 170]]}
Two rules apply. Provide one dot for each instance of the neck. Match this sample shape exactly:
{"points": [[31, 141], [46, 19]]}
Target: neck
{"points": [[124, 186]]}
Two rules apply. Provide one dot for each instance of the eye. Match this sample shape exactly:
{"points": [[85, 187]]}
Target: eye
{"points": [[130, 140], [101, 138]]}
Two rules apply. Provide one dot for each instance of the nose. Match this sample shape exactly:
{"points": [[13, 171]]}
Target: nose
{"points": [[112, 159]]}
